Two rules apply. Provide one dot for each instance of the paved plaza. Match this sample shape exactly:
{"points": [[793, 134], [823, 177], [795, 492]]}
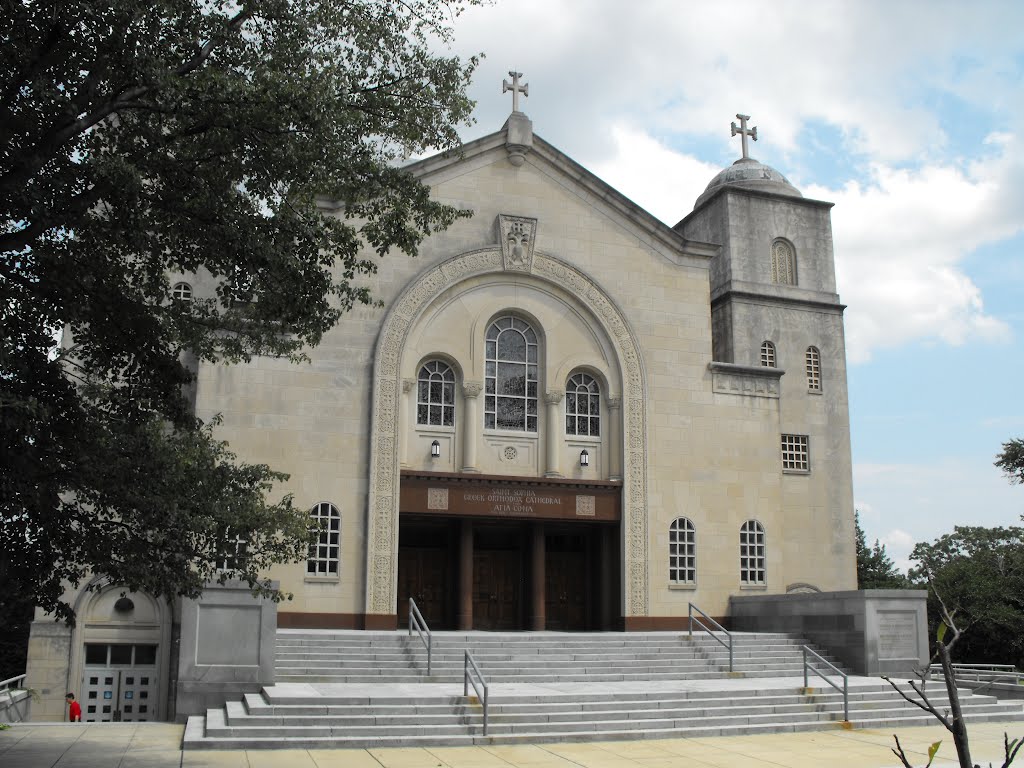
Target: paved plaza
{"points": [[158, 745]]}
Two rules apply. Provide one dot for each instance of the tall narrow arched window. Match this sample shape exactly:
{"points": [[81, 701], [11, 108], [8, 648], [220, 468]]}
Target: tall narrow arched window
{"points": [[768, 354], [813, 369], [783, 263], [510, 380], [181, 292], [435, 395], [325, 553], [682, 552], [752, 553], [582, 406]]}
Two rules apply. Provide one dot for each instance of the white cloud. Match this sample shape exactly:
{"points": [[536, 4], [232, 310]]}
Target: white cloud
{"points": [[631, 90]]}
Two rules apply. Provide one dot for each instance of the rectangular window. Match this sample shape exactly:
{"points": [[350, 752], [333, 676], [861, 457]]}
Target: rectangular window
{"points": [[795, 457]]}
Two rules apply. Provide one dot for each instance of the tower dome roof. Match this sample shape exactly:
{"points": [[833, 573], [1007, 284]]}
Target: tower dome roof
{"points": [[748, 173]]}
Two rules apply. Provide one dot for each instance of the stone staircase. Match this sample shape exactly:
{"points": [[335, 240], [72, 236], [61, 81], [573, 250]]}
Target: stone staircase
{"points": [[394, 657], [370, 689]]}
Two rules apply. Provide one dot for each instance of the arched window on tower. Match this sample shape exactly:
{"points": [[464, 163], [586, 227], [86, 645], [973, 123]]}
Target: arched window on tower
{"points": [[682, 552], [435, 395], [510, 380], [813, 369], [582, 406], [783, 262], [768, 354], [325, 553], [752, 553]]}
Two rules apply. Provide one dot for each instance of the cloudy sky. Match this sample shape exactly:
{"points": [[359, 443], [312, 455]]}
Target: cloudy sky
{"points": [[908, 115]]}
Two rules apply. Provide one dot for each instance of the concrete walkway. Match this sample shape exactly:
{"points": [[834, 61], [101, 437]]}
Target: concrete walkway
{"points": [[158, 745]]}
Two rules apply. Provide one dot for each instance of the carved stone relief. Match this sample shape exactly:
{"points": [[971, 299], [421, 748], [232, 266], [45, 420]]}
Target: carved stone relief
{"points": [[517, 236]]}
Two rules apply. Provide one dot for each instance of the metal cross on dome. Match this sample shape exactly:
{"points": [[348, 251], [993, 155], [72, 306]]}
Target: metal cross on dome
{"points": [[743, 131], [516, 88]]}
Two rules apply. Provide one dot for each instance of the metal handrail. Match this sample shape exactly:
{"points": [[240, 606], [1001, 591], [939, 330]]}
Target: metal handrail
{"points": [[700, 625], [416, 622], [846, 678], [470, 673], [982, 673], [8, 684]]}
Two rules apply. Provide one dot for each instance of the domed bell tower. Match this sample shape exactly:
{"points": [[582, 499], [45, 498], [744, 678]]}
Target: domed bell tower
{"points": [[774, 304]]}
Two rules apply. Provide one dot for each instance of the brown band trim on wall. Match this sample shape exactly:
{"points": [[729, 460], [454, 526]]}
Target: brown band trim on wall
{"points": [[517, 498], [303, 620]]}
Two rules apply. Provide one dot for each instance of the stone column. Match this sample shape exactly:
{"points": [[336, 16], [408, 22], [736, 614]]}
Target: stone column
{"points": [[404, 425], [464, 617], [553, 427], [538, 620], [615, 447], [470, 424]]}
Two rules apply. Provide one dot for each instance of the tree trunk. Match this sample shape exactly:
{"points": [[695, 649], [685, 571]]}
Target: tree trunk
{"points": [[959, 728]]}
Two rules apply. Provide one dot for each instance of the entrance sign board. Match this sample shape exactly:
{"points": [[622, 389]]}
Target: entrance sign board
{"points": [[510, 497]]}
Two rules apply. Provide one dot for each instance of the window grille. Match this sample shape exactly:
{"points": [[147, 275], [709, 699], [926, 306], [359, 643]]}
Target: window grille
{"points": [[813, 369], [752, 553], [795, 453], [768, 354], [325, 554], [682, 552]]}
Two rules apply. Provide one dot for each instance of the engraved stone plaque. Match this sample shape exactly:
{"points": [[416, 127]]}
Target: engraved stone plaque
{"points": [[897, 635]]}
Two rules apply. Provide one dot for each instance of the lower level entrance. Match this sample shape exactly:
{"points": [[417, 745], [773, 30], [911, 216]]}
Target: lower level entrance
{"points": [[467, 573]]}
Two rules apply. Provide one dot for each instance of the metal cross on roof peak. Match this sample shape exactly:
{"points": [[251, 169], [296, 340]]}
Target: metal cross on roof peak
{"points": [[743, 131], [516, 88]]}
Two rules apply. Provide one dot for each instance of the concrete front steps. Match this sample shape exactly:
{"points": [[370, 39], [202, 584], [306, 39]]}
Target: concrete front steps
{"points": [[338, 716], [395, 657]]}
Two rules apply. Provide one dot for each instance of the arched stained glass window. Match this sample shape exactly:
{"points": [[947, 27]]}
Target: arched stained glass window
{"points": [[435, 395], [510, 381], [582, 406]]}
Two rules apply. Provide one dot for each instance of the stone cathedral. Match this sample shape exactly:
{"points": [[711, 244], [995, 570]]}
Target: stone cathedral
{"points": [[566, 416]]}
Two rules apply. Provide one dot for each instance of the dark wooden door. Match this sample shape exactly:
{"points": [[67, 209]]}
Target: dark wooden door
{"points": [[565, 591], [423, 576], [497, 581]]}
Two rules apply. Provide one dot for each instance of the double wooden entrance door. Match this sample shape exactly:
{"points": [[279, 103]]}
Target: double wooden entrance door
{"points": [[507, 586]]}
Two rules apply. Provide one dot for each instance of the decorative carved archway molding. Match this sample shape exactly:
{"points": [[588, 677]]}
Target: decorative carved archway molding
{"points": [[382, 522]]}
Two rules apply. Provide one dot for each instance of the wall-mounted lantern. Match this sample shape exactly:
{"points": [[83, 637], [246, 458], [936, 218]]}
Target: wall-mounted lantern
{"points": [[435, 449], [584, 458]]}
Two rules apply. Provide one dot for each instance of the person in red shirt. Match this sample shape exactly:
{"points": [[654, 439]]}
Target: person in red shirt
{"points": [[74, 709]]}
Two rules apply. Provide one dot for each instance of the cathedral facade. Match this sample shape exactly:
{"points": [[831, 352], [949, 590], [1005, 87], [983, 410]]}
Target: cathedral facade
{"points": [[565, 415]]}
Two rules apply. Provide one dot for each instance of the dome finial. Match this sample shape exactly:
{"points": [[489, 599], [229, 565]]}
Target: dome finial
{"points": [[743, 131]]}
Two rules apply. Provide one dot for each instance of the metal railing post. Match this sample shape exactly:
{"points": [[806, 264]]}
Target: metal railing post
{"points": [[718, 640], [417, 622], [846, 678], [471, 672]]}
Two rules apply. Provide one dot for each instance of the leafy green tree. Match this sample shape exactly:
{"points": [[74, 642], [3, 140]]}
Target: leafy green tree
{"points": [[193, 136], [1011, 460], [875, 569], [979, 572]]}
